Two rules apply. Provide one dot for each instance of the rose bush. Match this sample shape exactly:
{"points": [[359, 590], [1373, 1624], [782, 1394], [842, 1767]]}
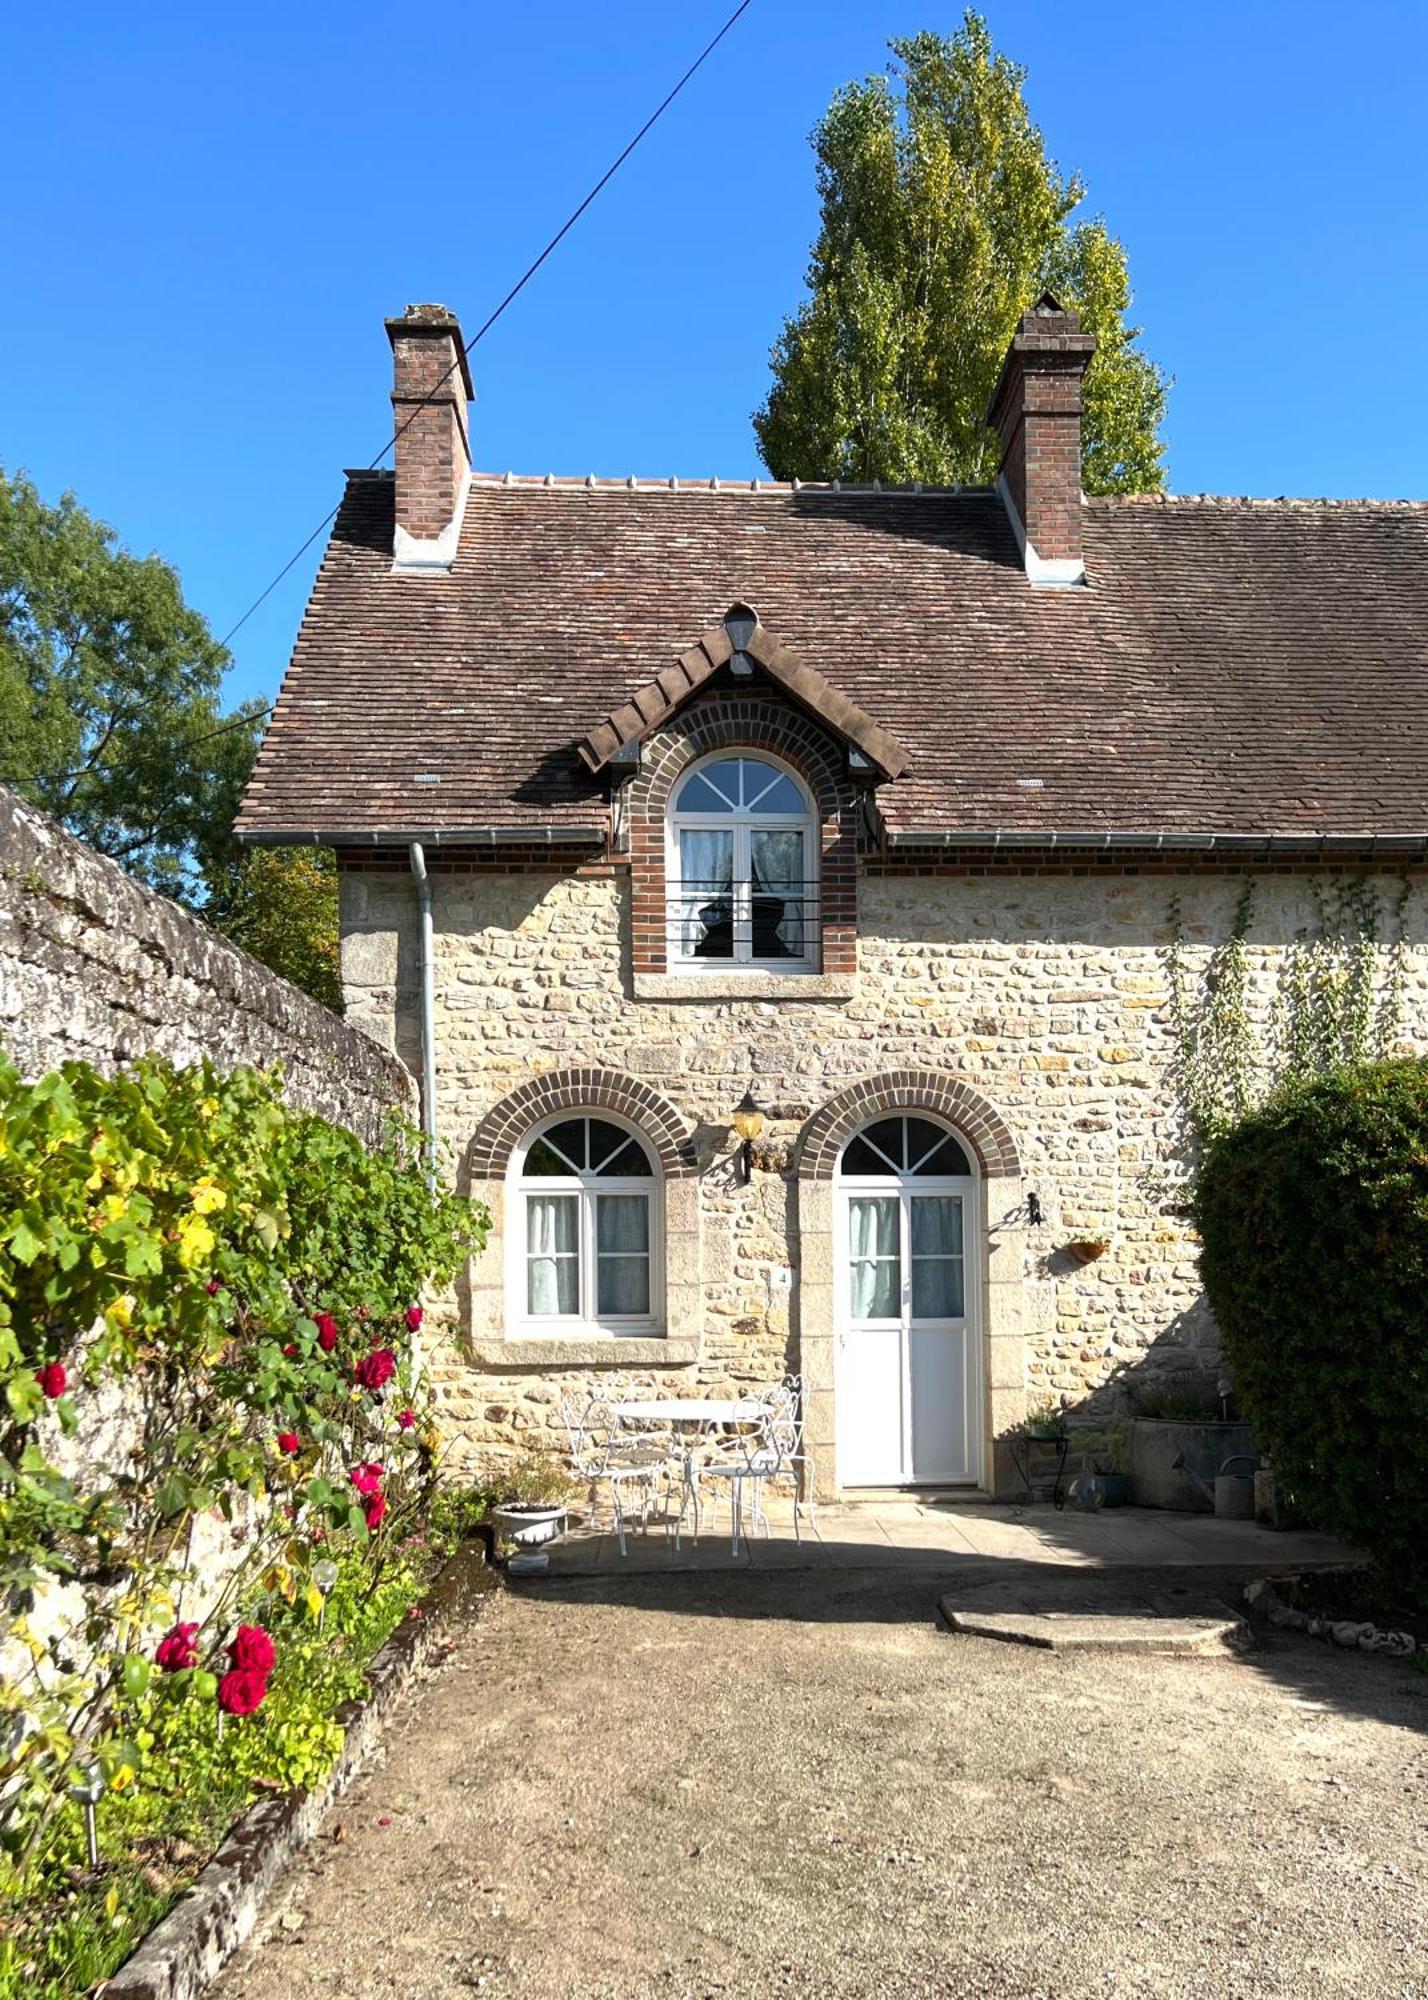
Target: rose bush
{"points": [[180, 1247]]}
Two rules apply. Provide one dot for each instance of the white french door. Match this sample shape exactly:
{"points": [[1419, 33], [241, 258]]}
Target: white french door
{"points": [[906, 1357]]}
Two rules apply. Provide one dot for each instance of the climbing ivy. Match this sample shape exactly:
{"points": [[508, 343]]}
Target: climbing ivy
{"points": [[1339, 999]]}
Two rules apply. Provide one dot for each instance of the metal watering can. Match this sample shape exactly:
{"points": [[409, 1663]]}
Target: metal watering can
{"points": [[1232, 1495]]}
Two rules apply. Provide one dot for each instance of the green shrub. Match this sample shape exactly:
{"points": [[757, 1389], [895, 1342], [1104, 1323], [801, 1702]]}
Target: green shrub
{"points": [[1314, 1217], [243, 1280]]}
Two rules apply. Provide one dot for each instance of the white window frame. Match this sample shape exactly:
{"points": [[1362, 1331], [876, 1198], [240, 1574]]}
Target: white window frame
{"points": [[742, 823], [584, 1323]]}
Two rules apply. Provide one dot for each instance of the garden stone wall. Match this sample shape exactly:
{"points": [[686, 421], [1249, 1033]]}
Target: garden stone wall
{"points": [[95, 966], [1047, 992]]}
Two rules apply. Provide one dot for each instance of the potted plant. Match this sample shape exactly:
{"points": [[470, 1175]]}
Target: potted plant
{"points": [[536, 1491], [1043, 1420]]}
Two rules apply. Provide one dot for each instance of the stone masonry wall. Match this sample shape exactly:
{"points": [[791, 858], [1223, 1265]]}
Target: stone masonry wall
{"points": [[95, 966], [1047, 992]]}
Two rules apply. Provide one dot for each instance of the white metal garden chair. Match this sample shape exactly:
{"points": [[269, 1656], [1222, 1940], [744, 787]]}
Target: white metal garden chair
{"points": [[604, 1454], [772, 1450]]}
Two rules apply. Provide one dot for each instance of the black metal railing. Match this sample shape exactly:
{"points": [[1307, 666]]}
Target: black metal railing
{"points": [[742, 923]]}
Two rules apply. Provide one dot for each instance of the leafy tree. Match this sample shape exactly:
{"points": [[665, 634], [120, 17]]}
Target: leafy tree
{"points": [[280, 904], [109, 689], [942, 220], [110, 718]]}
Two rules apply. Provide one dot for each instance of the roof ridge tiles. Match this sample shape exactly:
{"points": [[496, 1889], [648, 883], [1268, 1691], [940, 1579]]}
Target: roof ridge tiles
{"points": [[761, 488], [1306, 500]]}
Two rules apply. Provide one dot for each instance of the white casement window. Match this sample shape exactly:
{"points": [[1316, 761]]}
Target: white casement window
{"points": [[586, 1242], [742, 868]]}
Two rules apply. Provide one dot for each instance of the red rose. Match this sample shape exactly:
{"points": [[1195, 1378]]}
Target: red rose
{"points": [[52, 1378], [406, 1419], [412, 1316], [289, 1443], [326, 1331], [252, 1651], [240, 1692], [178, 1649], [376, 1509], [367, 1478], [291, 1350], [376, 1369], [212, 1286]]}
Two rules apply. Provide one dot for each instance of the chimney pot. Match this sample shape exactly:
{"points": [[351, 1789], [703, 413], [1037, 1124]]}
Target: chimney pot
{"points": [[1036, 413]]}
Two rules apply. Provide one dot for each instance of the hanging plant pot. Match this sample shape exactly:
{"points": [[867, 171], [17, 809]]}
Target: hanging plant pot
{"points": [[1086, 1249]]}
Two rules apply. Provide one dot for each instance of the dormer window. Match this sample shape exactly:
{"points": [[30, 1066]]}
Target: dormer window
{"points": [[742, 867]]}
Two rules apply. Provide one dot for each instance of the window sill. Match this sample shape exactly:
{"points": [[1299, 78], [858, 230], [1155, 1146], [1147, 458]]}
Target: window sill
{"points": [[745, 983], [584, 1350]]}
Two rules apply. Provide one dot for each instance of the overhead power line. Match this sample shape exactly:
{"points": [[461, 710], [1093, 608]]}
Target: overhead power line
{"points": [[514, 293], [466, 347]]}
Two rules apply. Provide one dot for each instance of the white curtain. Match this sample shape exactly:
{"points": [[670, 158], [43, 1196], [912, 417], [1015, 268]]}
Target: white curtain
{"points": [[936, 1238], [706, 880], [875, 1265], [776, 868], [552, 1263], [622, 1242]]}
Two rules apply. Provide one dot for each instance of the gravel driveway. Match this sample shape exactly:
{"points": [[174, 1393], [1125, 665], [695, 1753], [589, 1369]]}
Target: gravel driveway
{"points": [[749, 1785]]}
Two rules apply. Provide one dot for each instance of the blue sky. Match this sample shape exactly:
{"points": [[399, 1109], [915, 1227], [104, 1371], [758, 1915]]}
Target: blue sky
{"points": [[219, 206]]}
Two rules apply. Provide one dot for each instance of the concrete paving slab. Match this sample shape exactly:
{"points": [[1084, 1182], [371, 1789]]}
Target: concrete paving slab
{"points": [[1091, 1623], [947, 1537]]}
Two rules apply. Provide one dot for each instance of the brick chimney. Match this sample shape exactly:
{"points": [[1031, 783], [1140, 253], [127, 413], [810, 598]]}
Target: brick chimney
{"points": [[1036, 414], [431, 388]]}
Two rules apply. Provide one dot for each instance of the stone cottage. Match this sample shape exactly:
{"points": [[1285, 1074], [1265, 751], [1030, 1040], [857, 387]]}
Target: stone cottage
{"points": [[773, 884]]}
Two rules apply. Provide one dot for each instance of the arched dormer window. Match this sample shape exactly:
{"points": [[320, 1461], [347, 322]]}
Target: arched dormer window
{"points": [[742, 867]]}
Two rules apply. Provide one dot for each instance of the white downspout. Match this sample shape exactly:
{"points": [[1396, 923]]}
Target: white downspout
{"points": [[427, 977]]}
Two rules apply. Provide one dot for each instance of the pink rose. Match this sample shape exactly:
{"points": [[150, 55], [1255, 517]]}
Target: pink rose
{"points": [[252, 1651], [376, 1369], [367, 1478], [241, 1691], [178, 1649], [406, 1419], [326, 1331], [413, 1318], [376, 1512]]}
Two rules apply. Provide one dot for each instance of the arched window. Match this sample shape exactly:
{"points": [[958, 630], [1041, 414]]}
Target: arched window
{"points": [[586, 1240], [743, 861]]}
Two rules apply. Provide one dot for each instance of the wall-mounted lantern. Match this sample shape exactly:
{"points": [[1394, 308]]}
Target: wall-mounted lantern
{"points": [[748, 1124]]}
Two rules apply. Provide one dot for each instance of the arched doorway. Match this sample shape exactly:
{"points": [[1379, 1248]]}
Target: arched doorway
{"points": [[907, 1297]]}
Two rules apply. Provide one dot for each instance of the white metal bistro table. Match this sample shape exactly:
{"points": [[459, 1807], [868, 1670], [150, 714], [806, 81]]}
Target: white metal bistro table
{"points": [[699, 1410], [691, 1413]]}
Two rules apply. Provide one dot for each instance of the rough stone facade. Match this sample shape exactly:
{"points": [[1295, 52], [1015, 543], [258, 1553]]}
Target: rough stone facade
{"points": [[1036, 1003], [95, 966]]}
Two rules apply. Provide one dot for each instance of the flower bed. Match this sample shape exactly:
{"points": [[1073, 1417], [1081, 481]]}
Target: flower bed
{"points": [[206, 1344]]}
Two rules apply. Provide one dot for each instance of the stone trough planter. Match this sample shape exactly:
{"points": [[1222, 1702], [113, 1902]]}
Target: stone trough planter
{"points": [[1187, 1488], [187, 1949]]}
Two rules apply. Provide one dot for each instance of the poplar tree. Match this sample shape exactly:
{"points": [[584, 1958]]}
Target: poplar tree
{"points": [[942, 220]]}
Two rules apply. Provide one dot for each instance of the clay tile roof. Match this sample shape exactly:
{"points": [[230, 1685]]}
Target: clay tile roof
{"points": [[1236, 667]]}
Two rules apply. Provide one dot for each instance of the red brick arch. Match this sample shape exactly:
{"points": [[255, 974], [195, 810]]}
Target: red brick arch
{"points": [[753, 722], [950, 1097], [508, 1122]]}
